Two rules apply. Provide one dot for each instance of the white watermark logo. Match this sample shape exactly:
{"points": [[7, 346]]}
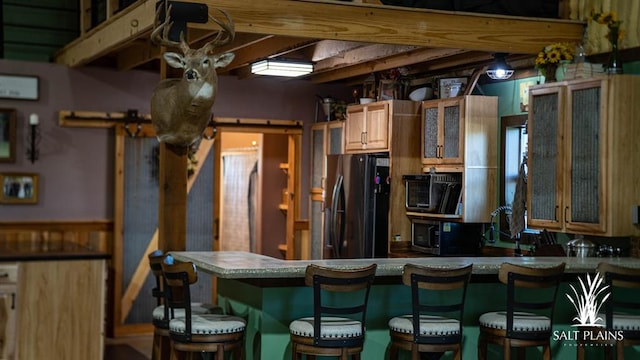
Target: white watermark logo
{"points": [[587, 303]]}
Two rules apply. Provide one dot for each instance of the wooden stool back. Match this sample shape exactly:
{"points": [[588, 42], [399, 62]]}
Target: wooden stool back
{"points": [[437, 297]]}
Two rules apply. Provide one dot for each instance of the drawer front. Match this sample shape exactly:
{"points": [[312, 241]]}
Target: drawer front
{"points": [[8, 273]]}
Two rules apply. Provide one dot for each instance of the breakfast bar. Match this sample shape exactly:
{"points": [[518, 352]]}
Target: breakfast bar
{"points": [[270, 293]]}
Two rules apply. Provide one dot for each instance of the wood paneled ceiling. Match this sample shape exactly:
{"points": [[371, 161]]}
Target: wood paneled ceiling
{"points": [[347, 41]]}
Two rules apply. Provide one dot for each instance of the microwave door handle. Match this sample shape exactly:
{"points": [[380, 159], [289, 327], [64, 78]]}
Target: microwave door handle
{"points": [[336, 196]]}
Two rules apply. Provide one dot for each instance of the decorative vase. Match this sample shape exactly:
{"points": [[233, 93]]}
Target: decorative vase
{"points": [[550, 72], [614, 66], [561, 70]]}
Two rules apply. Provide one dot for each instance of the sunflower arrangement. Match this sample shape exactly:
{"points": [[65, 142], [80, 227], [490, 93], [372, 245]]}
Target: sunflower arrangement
{"points": [[611, 20], [551, 55]]}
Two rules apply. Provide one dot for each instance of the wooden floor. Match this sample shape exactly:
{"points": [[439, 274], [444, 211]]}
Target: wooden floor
{"points": [[136, 347]]}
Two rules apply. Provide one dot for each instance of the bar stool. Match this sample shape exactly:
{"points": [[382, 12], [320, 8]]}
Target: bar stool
{"points": [[616, 316], [197, 333], [161, 349], [341, 332], [528, 319], [426, 329]]}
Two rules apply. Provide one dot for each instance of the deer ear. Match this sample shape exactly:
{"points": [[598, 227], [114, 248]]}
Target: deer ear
{"points": [[223, 60], [174, 60]]}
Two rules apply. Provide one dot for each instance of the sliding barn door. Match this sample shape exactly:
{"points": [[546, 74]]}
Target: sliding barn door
{"points": [[136, 226]]}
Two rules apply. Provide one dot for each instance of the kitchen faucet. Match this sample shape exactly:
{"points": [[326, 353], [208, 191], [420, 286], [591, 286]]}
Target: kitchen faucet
{"points": [[507, 210]]}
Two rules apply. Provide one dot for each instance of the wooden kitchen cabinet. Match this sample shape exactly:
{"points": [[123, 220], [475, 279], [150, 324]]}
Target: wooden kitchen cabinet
{"points": [[445, 123], [369, 127], [8, 290], [326, 139], [459, 135], [583, 156]]}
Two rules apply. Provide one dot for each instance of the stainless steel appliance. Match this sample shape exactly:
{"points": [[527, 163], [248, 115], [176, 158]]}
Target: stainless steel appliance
{"points": [[437, 192], [446, 238], [357, 206]]}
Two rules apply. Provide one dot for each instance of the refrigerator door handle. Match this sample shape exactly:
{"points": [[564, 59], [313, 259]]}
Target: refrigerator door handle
{"points": [[336, 235]]}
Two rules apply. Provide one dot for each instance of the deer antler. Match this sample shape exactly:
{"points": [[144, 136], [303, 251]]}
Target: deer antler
{"points": [[160, 35], [224, 36]]}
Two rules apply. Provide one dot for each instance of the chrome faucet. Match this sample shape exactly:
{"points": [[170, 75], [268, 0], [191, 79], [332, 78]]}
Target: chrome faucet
{"points": [[507, 210]]}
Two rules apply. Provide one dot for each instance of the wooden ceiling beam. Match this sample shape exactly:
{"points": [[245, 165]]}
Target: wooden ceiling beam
{"points": [[344, 21], [397, 25], [390, 62]]}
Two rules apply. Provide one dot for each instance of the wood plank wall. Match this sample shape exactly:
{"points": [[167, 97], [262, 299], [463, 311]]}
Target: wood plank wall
{"points": [[92, 234]]}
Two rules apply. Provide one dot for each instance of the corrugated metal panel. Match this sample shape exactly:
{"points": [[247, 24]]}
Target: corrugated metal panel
{"points": [[140, 218], [544, 153], [585, 156], [200, 223]]}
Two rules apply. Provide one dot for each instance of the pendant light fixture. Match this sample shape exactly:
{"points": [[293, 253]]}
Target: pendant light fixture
{"points": [[499, 69]]}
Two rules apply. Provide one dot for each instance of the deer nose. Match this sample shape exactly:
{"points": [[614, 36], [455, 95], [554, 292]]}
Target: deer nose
{"points": [[191, 75]]}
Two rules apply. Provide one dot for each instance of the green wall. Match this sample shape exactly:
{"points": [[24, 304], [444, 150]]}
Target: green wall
{"points": [[508, 93]]}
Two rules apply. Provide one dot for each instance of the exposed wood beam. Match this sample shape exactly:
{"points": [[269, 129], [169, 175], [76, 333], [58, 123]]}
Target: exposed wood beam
{"points": [[268, 47], [341, 21], [399, 60], [363, 54], [381, 24]]}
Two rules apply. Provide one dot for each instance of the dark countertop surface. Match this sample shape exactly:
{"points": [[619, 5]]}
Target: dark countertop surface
{"points": [[11, 251]]}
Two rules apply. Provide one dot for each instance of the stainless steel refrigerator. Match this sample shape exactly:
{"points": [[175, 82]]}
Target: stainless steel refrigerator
{"points": [[357, 206]]}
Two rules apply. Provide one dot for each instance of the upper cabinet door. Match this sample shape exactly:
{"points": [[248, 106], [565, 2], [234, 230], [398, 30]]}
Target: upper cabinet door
{"points": [[354, 128], [545, 158], [585, 161], [367, 128], [443, 132]]}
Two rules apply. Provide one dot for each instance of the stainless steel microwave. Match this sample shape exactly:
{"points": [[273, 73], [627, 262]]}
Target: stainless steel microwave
{"points": [[446, 238], [435, 193]]}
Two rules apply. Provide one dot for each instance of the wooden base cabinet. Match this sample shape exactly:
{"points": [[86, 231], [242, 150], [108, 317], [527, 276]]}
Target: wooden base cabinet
{"points": [[8, 290], [60, 309], [583, 156]]}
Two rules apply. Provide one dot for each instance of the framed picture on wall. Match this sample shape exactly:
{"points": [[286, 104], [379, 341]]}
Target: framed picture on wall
{"points": [[7, 135], [452, 87], [388, 90], [19, 87], [19, 188]]}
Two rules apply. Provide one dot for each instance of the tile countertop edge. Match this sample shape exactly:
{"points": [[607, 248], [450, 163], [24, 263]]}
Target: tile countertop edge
{"points": [[244, 265]]}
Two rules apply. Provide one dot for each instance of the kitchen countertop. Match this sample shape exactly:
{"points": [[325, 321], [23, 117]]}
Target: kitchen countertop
{"points": [[11, 251], [244, 265]]}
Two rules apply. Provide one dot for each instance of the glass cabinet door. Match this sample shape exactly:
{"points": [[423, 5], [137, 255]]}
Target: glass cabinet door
{"points": [[545, 158], [584, 146]]}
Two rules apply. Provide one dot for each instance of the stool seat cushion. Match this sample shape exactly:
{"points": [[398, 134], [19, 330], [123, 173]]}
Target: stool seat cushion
{"points": [[331, 327], [429, 325], [621, 321], [208, 324], [522, 321], [196, 308]]}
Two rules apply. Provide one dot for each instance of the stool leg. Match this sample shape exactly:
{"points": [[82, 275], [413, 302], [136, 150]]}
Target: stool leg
{"points": [[620, 350], [507, 349], [482, 347], [580, 352]]}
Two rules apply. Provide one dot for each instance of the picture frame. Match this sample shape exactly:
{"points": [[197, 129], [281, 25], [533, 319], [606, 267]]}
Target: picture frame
{"points": [[452, 87], [387, 90], [19, 188], [369, 89], [19, 87], [7, 135]]}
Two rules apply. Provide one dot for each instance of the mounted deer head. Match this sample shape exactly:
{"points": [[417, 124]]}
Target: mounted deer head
{"points": [[181, 108]]}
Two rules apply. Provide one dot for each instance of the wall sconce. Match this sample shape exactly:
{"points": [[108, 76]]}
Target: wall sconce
{"points": [[33, 138], [499, 69], [289, 68]]}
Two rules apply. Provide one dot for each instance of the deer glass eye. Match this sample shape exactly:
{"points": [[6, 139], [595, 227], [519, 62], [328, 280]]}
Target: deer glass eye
{"points": [[206, 62]]}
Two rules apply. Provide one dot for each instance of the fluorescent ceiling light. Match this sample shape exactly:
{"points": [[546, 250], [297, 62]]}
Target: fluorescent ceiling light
{"points": [[499, 69], [275, 67]]}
